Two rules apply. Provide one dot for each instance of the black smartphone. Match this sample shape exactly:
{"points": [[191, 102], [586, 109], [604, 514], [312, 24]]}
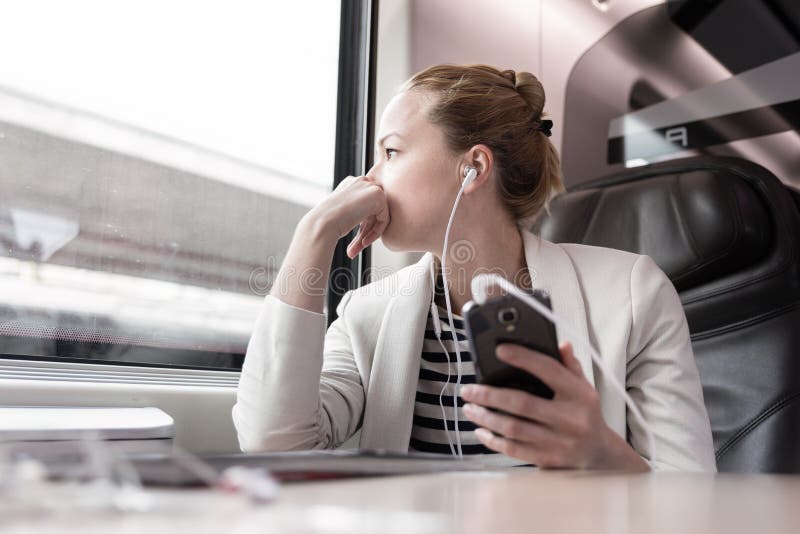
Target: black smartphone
{"points": [[507, 319]]}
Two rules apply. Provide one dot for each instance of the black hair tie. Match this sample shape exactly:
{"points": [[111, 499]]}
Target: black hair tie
{"points": [[545, 127]]}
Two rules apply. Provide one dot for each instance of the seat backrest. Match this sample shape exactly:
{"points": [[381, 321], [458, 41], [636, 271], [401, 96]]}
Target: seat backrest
{"points": [[725, 231]]}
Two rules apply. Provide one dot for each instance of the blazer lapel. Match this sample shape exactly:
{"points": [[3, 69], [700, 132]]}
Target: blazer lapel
{"points": [[389, 411], [551, 270]]}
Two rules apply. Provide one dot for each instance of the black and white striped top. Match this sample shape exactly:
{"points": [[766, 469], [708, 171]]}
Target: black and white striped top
{"points": [[427, 433]]}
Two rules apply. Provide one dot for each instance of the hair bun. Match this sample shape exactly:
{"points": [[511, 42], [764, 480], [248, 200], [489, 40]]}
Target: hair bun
{"points": [[511, 76], [530, 89]]}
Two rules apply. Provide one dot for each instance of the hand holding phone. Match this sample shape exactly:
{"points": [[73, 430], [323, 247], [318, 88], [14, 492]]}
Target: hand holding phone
{"points": [[507, 319]]}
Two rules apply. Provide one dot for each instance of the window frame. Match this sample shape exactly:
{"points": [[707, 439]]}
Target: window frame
{"points": [[355, 130]]}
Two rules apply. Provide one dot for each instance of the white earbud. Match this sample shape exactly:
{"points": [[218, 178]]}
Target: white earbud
{"points": [[470, 176]]}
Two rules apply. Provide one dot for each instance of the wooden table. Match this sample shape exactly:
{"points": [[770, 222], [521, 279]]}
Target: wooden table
{"points": [[502, 502]]}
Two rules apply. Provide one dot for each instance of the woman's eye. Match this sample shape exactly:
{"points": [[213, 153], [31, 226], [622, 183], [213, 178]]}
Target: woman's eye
{"points": [[389, 152]]}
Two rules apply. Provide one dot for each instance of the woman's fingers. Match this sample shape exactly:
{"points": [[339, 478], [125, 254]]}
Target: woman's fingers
{"points": [[381, 221], [366, 235], [369, 198], [569, 359], [373, 234], [370, 230], [544, 456], [370, 237], [358, 243], [505, 446], [513, 436], [506, 425], [515, 402]]}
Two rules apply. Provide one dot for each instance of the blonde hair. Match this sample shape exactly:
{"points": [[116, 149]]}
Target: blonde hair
{"points": [[478, 104]]}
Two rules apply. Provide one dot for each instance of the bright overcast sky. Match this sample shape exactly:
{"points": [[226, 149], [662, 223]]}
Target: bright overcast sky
{"points": [[251, 79]]}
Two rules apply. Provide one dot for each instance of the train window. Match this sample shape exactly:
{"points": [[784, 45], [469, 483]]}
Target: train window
{"points": [[155, 158]]}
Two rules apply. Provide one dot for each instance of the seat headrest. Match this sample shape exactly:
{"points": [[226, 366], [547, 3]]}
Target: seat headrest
{"points": [[697, 225]]}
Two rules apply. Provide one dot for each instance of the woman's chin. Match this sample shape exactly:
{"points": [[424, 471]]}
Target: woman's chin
{"points": [[388, 243], [407, 241], [391, 242], [402, 241]]}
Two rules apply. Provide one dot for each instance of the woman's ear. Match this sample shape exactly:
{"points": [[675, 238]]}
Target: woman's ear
{"points": [[481, 159]]}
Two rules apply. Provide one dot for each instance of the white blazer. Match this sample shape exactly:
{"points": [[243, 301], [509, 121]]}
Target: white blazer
{"points": [[302, 387]]}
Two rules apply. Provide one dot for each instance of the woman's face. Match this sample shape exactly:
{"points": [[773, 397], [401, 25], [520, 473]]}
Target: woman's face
{"points": [[418, 173]]}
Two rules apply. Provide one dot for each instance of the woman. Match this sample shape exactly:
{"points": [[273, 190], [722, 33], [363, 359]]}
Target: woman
{"points": [[378, 368]]}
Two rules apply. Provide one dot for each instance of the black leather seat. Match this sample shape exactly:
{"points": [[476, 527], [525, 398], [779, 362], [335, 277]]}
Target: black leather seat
{"points": [[726, 232]]}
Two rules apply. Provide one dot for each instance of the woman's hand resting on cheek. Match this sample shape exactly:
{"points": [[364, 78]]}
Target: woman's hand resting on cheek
{"points": [[567, 431], [357, 199]]}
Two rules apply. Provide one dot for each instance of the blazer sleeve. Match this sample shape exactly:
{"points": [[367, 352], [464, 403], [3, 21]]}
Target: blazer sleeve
{"points": [[299, 387], [662, 376]]}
